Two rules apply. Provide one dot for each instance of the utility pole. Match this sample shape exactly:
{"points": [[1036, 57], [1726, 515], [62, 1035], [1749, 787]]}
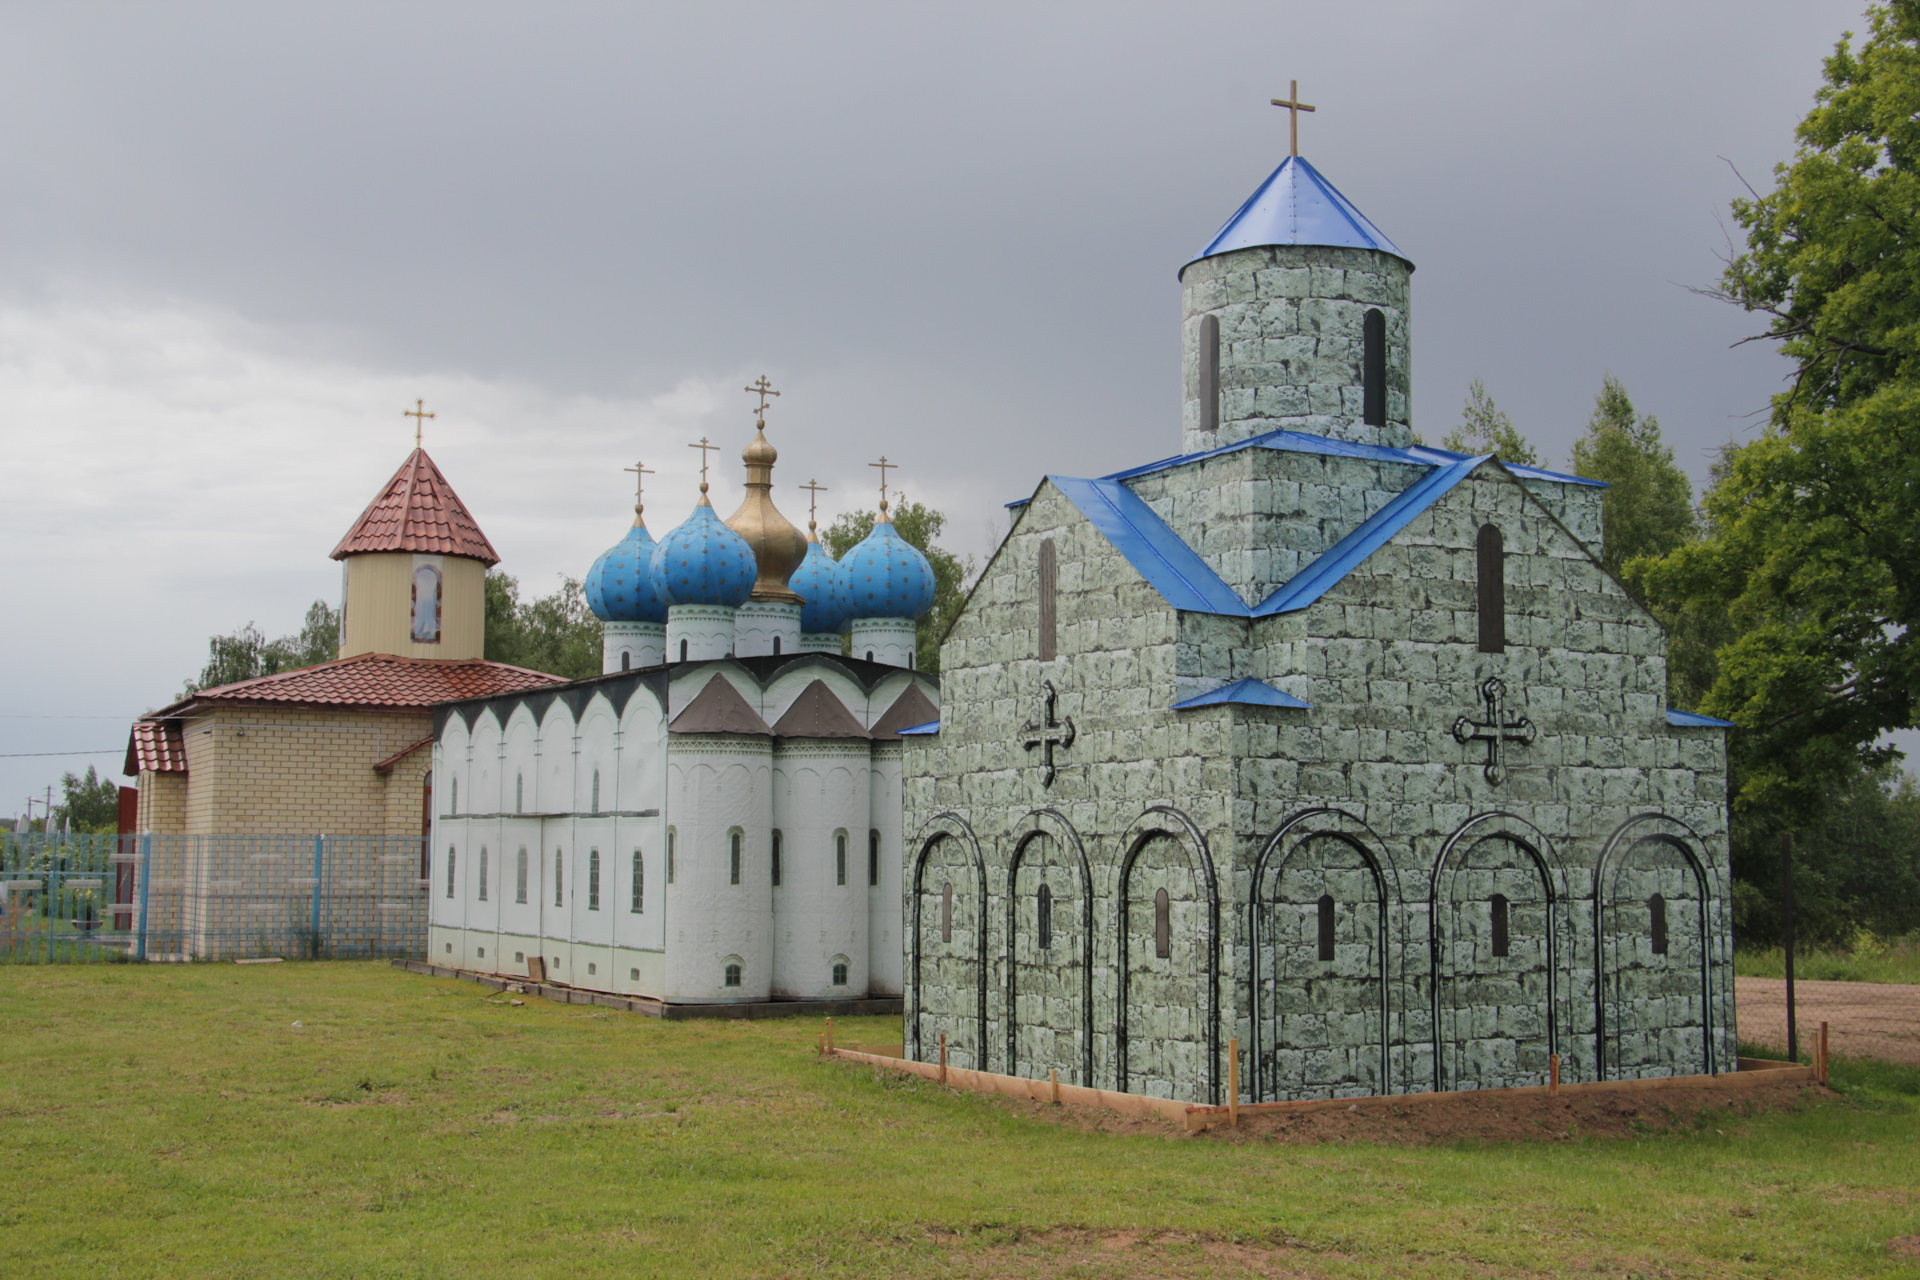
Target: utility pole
{"points": [[1786, 902]]}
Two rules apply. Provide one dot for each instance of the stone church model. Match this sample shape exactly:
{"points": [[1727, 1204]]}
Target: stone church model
{"points": [[1314, 738], [717, 819]]}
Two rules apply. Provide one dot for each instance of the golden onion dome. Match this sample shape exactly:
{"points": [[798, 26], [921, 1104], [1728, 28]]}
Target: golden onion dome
{"points": [[778, 547]]}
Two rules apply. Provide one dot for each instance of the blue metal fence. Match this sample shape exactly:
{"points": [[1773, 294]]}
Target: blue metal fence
{"points": [[102, 898]]}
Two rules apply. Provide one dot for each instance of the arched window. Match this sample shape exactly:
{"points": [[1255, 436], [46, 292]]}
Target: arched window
{"points": [[1490, 551], [1657, 919], [1049, 575], [639, 884], [1498, 908], [1162, 925], [559, 870], [776, 646], [840, 973], [1326, 926], [732, 975], [1209, 373], [946, 912], [450, 857], [670, 844], [776, 858], [426, 604], [626, 659], [520, 875], [1043, 916], [593, 879], [519, 791], [1373, 368], [873, 857], [733, 848], [683, 658], [483, 873], [869, 655], [596, 791], [839, 857]]}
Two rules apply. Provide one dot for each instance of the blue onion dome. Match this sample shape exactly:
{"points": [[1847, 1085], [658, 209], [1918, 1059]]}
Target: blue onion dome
{"points": [[886, 576], [620, 586], [704, 562], [817, 581]]}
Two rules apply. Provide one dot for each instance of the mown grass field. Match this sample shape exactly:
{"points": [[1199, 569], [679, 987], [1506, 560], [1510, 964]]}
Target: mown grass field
{"points": [[1896, 962], [349, 1119]]}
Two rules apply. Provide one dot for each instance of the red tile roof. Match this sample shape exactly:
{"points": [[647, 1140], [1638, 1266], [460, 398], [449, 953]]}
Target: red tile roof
{"points": [[155, 745], [418, 511], [372, 680]]}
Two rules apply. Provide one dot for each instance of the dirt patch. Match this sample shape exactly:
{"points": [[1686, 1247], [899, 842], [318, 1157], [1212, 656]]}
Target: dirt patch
{"points": [[1865, 1019], [1904, 1247], [1074, 1251]]}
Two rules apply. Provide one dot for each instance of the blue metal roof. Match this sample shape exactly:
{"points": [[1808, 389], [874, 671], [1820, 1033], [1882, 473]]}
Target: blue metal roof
{"points": [[1337, 561], [918, 730], [1304, 442], [1694, 720], [1173, 568], [1297, 205], [1247, 693]]}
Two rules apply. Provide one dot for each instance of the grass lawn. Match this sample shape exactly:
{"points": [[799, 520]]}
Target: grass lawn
{"points": [[1897, 961], [349, 1119]]}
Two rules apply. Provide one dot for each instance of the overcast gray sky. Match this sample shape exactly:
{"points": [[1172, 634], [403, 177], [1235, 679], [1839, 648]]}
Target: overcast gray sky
{"points": [[237, 240]]}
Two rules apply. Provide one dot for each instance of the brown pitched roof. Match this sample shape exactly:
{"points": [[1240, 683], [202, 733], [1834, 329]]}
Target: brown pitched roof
{"points": [[718, 708], [816, 713], [155, 745], [417, 511], [386, 766], [909, 709], [373, 680]]}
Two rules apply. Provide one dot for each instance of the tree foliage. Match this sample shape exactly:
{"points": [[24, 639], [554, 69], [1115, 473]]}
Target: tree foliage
{"points": [[920, 526], [90, 801], [1484, 427], [247, 654], [554, 633], [1647, 509], [1812, 546]]}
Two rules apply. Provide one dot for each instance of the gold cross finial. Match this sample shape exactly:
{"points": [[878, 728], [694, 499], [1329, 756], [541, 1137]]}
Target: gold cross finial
{"points": [[815, 488], [418, 416], [1294, 107], [763, 389], [885, 467], [705, 448], [640, 473]]}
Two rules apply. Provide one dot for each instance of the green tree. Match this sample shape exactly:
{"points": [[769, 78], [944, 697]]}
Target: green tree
{"points": [[1812, 546], [1647, 509], [247, 654], [919, 525], [91, 801], [554, 633], [1484, 427]]}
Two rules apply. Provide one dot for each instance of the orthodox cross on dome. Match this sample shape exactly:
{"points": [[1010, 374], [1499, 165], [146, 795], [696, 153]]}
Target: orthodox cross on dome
{"points": [[815, 489], [705, 448], [419, 417], [1496, 731], [640, 473], [1049, 733], [763, 389], [1294, 107], [885, 467]]}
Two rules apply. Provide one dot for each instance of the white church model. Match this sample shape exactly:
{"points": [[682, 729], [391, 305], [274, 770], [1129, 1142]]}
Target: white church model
{"points": [[717, 818]]}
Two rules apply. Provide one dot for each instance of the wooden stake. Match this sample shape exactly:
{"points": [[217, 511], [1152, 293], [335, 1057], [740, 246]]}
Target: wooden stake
{"points": [[943, 1057], [829, 1033], [1053, 1083], [1233, 1081], [1553, 1075], [1823, 1053]]}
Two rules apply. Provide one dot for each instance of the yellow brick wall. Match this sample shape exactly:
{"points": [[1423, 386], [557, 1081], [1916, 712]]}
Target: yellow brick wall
{"points": [[264, 770], [163, 802]]}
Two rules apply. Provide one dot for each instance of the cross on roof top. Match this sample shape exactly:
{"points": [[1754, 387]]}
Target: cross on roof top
{"points": [[705, 448], [640, 473], [763, 389], [418, 416], [885, 467], [1294, 107], [813, 503]]}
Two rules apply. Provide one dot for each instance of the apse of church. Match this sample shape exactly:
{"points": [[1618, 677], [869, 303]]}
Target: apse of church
{"points": [[1313, 738]]}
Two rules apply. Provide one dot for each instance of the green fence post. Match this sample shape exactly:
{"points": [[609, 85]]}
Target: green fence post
{"points": [[146, 888], [313, 946]]}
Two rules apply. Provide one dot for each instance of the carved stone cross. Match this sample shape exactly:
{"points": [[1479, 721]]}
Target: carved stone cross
{"points": [[1497, 730], [1048, 734]]}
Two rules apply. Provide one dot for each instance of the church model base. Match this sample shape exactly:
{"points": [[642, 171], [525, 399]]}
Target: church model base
{"points": [[876, 1008]]}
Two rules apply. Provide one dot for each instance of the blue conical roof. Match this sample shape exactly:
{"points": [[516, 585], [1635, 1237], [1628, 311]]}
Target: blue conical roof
{"points": [[1297, 205], [886, 576], [704, 562], [620, 587], [817, 581]]}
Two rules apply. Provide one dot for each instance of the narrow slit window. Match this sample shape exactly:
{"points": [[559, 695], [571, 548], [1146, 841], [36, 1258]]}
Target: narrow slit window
{"points": [[1043, 916], [683, 658], [626, 659], [733, 851], [1326, 926], [596, 791], [776, 859], [1491, 554], [453, 797], [840, 857], [1657, 922], [946, 912], [519, 791], [1049, 576], [1162, 925], [732, 975], [1373, 368], [450, 858], [873, 858], [1209, 373], [593, 879], [1498, 909], [520, 875], [776, 646], [559, 870], [483, 873], [670, 844], [639, 884]]}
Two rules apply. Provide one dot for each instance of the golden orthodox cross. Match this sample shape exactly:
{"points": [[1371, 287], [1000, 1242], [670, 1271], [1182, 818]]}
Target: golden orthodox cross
{"points": [[704, 448], [885, 467], [1294, 107], [763, 389], [815, 488], [418, 418], [640, 473]]}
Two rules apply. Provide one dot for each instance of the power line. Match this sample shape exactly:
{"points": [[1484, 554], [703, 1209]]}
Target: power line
{"points": [[22, 755]]}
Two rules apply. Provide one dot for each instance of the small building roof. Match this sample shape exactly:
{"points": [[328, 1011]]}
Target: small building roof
{"points": [[1694, 720], [816, 713], [718, 708], [418, 511], [911, 708], [155, 746], [369, 680], [1245, 693], [1296, 205]]}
